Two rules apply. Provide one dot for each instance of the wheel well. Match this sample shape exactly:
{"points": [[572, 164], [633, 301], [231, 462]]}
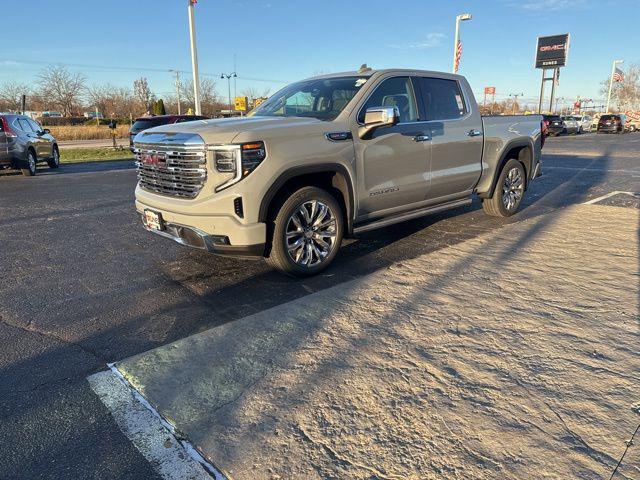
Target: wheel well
{"points": [[523, 154], [332, 181]]}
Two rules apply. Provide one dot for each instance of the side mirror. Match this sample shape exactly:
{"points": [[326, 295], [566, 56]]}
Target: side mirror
{"points": [[46, 131], [378, 117]]}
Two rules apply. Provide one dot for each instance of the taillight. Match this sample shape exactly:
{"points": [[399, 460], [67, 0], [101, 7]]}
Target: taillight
{"points": [[9, 132]]}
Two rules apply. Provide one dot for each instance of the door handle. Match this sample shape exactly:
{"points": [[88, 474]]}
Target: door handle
{"points": [[421, 138], [474, 133]]}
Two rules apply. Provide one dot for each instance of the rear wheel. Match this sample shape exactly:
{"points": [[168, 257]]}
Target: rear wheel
{"points": [[509, 191], [307, 232], [54, 161], [30, 171]]}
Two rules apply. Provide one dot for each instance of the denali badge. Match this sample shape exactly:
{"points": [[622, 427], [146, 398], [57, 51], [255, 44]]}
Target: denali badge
{"points": [[383, 191]]}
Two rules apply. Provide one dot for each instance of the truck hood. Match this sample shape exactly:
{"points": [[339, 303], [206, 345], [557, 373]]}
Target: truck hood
{"points": [[225, 130]]}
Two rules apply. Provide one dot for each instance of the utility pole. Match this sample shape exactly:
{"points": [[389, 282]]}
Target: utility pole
{"points": [[194, 57], [515, 100], [456, 39], [229, 76], [613, 71], [178, 86]]}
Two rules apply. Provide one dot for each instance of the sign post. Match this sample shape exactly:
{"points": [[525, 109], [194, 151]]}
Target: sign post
{"points": [[551, 53]]}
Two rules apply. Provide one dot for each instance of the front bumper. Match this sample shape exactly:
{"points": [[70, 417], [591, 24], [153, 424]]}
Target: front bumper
{"points": [[220, 234]]}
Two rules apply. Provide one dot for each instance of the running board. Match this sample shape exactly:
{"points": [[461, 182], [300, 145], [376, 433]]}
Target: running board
{"points": [[384, 222]]}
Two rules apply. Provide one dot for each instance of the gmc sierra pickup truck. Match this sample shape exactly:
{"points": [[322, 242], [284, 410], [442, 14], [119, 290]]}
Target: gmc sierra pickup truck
{"points": [[330, 157]]}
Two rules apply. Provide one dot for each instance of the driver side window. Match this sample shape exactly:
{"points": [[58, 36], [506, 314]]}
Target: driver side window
{"points": [[393, 92]]}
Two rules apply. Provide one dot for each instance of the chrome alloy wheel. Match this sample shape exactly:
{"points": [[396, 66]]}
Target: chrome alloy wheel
{"points": [[512, 189], [311, 233], [56, 157], [31, 159]]}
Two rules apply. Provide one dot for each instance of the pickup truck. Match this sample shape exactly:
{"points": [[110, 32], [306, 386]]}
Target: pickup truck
{"points": [[330, 157]]}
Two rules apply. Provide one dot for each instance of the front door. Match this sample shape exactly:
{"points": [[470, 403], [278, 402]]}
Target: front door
{"points": [[455, 128], [393, 164]]}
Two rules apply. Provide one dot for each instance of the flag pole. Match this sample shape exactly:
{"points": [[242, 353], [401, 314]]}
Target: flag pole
{"points": [[194, 58], [613, 71]]}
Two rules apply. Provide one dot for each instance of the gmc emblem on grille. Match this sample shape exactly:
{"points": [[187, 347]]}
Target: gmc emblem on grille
{"points": [[157, 159]]}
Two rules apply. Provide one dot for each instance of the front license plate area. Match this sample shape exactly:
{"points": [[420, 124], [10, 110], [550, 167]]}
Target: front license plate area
{"points": [[153, 220]]}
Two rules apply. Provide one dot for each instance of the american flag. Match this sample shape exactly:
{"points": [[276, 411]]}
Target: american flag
{"points": [[618, 75], [458, 56]]}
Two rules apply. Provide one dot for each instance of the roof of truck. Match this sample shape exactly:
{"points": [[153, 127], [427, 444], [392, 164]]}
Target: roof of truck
{"points": [[369, 72]]}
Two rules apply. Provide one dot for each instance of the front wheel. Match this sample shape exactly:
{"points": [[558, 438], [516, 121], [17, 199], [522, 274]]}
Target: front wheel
{"points": [[307, 232], [54, 161], [509, 191]]}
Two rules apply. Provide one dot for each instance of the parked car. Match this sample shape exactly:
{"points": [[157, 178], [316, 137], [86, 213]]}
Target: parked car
{"points": [[611, 124], [143, 123], [594, 122], [24, 144], [584, 123], [554, 124], [570, 125], [330, 157]]}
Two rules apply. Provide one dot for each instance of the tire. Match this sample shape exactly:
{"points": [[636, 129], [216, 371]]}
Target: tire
{"points": [[54, 161], [30, 171], [292, 226], [499, 205]]}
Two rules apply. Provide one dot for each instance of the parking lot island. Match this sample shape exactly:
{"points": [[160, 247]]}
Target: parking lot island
{"points": [[509, 355]]}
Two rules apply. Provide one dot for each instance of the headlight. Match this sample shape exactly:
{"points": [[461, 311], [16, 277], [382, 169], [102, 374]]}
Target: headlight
{"points": [[237, 161]]}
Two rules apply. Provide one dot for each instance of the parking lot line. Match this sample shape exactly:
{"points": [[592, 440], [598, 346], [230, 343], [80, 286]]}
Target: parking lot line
{"points": [[634, 173], [173, 458], [609, 195]]}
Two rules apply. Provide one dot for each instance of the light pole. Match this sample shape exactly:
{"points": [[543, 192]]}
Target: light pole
{"points": [[613, 72], [178, 85], [515, 100], [459, 18], [229, 76], [194, 57]]}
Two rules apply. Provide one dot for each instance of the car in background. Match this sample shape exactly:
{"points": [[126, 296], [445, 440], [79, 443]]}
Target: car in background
{"points": [[24, 144], [571, 126], [584, 123], [554, 124], [144, 123], [611, 124], [594, 122]]}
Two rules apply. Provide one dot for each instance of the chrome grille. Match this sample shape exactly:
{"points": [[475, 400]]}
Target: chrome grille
{"points": [[177, 171]]}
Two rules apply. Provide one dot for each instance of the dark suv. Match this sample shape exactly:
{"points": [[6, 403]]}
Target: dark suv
{"points": [[24, 143], [144, 123], [554, 123], [611, 124]]}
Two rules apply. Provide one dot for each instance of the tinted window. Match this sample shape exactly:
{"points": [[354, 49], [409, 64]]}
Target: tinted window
{"points": [[23, 125], [34, 125], [442, 99], [393, 92], [145, 123]]}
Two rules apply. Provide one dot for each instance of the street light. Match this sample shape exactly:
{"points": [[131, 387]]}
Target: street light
{"points": [[194, 58], [515, 100], [613, 71], [229, 76], [459, 18]]}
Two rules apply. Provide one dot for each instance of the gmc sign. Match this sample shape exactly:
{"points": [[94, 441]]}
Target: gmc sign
{"points": [[552, 51]]}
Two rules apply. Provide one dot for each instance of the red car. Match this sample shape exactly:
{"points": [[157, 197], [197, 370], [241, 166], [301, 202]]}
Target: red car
{"points": [[144, 123]]}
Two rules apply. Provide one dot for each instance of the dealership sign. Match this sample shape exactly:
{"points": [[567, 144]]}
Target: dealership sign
{"points": [[552, 51]]}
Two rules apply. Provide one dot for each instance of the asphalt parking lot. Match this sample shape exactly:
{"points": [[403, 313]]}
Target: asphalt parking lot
{"points": [[83, 285]]}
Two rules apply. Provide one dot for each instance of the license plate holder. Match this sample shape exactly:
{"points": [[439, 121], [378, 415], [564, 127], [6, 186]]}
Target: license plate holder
{"points": [[153, 220]]}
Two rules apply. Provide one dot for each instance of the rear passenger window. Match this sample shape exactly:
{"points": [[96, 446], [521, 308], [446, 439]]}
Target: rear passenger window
{"points": [[393, 92], [442, 99], [23, 125]]}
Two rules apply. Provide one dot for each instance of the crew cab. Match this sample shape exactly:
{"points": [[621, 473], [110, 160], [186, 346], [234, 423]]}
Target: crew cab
{"points": [[330, 157]]}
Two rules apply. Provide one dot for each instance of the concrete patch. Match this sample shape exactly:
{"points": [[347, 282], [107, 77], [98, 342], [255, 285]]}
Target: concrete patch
{"points": [[511, 355], [171, 458]]}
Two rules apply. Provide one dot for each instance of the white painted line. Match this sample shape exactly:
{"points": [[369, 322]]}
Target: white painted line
{"points": [[611, 194], [173, 458], [634, 173]]}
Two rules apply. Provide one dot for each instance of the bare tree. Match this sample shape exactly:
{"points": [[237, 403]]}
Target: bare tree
{"points": [[252, 93], [625, 94], [11, 95], [62, 88], [208, 95], [112, 101], [142, 92]]}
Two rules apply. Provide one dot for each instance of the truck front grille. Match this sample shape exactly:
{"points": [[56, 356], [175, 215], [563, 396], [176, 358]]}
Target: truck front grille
{"points": [[171, 170]]}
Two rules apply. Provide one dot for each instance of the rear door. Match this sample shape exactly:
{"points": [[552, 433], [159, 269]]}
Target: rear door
{"points": [[4, 145], [455, 127]]}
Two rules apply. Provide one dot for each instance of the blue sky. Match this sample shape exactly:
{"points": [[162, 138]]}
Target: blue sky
{"points": [[278, 41]]}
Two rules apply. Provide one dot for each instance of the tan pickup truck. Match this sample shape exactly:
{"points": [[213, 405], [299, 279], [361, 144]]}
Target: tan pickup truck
{"points": [[330, 157]]}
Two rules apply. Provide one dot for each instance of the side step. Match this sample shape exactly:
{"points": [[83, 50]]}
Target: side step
{"points": [[384, 222]]}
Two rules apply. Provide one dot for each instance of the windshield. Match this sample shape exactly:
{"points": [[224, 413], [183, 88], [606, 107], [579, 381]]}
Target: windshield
{"points": [[323, 99]]}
